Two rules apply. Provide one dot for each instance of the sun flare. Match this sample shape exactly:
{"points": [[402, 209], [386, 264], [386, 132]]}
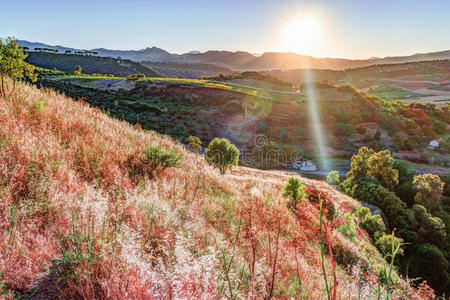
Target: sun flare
{"points": [[302, 34]]}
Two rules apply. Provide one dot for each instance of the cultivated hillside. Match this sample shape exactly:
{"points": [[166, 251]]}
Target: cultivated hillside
{"points": [[89, 64], [79, 220]]}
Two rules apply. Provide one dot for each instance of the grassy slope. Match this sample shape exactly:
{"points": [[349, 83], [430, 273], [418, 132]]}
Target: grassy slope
{"points": [[69, 211]]}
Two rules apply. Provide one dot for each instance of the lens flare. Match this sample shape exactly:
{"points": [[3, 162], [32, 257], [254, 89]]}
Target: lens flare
{"points": [[315, 120]]}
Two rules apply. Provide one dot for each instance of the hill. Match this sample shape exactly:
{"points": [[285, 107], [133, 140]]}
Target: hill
{"points": [[187, 70], [349, 119], [79, 221], [244, 61], [422, 82], [89, 64]]}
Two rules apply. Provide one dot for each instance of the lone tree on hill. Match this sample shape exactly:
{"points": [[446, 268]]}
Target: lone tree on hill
{"points": [[222, 154], [78, 71], [12, 63]]}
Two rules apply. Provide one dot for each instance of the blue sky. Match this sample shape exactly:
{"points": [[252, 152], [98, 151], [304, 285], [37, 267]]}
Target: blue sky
{"points": [[349, 28]]}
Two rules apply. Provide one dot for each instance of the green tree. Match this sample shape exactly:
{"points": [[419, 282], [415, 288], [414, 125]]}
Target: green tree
{"points": [[381, 167], [378, 165], [387, 242], [373, 224], [194, 143], [294, 190], [429, 190], [333, 178], [78, 71], [12, 63], [222, 154]]}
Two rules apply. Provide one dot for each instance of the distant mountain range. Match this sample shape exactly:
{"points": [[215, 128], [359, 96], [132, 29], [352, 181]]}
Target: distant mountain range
{"points": [[242, 61]]}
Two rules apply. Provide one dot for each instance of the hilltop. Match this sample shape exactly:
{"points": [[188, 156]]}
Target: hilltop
{"points": [[77, 223]]}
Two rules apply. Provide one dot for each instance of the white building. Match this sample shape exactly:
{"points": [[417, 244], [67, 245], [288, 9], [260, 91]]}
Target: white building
{"points": [[434, 144], [307, 165]]}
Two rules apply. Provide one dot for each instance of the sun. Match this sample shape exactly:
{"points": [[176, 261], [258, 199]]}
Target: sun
{"points": [[302, 35]]}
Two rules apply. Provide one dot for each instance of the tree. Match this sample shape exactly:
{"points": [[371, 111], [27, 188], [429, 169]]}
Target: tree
{"points": [[378, 165], [429, 190], [373, 224], [78, 71], [222, 154], [381, 167], [12, 63], [194, 143], [333, 178], [295, 191]]}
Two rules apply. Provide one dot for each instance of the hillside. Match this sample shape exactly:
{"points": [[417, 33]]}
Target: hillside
{"points": [[89, 64], [349, 119], [79, 222], [244, 61], [423, 81], [187, 70]]}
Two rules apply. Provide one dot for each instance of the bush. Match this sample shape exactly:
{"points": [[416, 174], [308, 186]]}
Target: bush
{"points": [[151, 162], [222, 154], [333, 178], [137, 77], [194, 143], [429, 190], [387, 243], [295, 191], [78, 71], [373, 224]]}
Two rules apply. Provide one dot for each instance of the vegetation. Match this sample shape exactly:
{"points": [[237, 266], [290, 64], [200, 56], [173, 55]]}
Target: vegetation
{"points": [[294, 190], [194, 143], [222, 154], [333, 178], [90, 64], [421, 223], [12, 63], [78, 71]]}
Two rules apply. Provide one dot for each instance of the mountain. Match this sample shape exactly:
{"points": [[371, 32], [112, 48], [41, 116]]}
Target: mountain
{"points": [[242, 61]]}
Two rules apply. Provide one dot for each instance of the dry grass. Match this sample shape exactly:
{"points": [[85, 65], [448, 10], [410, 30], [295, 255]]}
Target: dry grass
{"points": [[73, 224]]}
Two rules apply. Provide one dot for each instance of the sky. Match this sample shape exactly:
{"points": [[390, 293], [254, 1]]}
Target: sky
{"points": [[339, 28]]}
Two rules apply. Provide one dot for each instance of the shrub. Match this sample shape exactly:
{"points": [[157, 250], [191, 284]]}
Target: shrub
{"points": [[194, 143], [429, 190], [387, 242], [295, 191], [137, 77], [373, 224], [151, 162], [333, 178], [78, 71], [222, 154]]}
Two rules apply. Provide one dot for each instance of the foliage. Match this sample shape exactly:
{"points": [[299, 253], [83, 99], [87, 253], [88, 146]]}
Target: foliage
{"points": [[387, 242], [194, 143], [151, 161], [294, 190], [78, 71], [12, 63], [429, 190], [222, 154], [333, 178], [137, 77], [378, 165], [373, 224]]}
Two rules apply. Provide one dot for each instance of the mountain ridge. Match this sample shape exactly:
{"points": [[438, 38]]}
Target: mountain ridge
{"points": [[242, 60]]}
